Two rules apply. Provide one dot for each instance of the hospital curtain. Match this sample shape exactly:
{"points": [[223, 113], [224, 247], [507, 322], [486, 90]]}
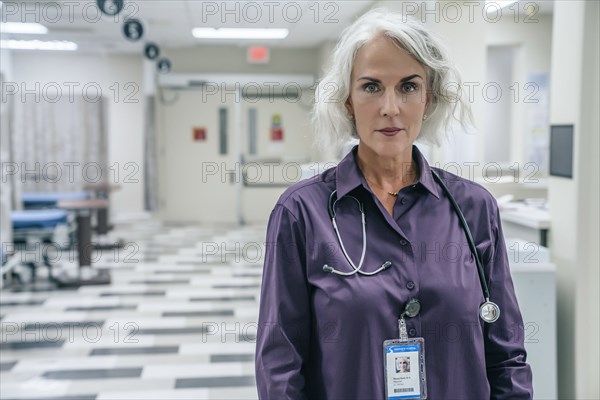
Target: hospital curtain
{"points": [[59, 146]]}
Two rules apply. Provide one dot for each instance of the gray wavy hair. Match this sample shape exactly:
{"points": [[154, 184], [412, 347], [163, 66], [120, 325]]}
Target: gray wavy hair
{"points": [[330, 120]]}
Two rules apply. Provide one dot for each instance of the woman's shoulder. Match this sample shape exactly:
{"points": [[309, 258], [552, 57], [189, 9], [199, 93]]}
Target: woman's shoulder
{"points": [[467, 192], [308, 192]]}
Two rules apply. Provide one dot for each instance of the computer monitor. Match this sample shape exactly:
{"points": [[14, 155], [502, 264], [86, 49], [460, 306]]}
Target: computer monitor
{"points": [[561, 150]]}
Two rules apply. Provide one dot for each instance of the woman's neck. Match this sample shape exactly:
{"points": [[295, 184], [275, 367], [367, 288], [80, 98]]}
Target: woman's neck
{"points": [[389, 174]]}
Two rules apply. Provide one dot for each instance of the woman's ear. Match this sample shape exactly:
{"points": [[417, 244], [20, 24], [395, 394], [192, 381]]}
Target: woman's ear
{"points": [[428, 102], [349, 107]]}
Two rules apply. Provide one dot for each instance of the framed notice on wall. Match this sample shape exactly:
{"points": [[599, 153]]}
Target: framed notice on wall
{"points": [[536, 99]]}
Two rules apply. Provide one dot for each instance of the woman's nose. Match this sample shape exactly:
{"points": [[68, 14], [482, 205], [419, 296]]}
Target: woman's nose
{"points": [[390, 106]]}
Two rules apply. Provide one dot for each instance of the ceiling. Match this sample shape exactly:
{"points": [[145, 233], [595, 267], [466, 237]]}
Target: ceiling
{"points": [[169, 22]]}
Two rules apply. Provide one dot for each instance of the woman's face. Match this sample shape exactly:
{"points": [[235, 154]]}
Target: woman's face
{"points": [[402, 364], [388, 97]]}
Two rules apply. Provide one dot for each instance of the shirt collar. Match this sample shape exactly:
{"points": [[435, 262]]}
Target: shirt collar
{"points": [[349, 176], [425, 175]]}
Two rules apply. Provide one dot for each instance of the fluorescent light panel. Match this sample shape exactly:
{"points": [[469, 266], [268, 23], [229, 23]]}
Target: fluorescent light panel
{"points": [[500, 3], [38, 45], [23, 27], [239, 33]]}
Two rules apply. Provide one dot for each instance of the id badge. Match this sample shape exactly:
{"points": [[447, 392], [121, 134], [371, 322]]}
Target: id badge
{"points": [[404, 366]]}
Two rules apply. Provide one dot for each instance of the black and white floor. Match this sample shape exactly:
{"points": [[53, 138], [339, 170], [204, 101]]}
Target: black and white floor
{"points": [[178, 321]]}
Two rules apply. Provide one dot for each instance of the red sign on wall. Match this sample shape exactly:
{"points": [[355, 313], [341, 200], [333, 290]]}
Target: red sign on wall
{"points": [[276, 134], [199, 134], [276, 128], [258, 55]]}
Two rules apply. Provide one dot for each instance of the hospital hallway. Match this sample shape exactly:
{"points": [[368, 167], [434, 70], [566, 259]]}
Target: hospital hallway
{"points": [[279, 199], [176, 321]]}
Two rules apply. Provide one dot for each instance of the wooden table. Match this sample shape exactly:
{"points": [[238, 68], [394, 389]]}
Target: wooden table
{"points": [[105, 188], [102, 191]]}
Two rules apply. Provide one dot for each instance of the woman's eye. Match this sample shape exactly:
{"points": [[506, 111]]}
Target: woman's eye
{"points": [[370, 87], [409, 87]]}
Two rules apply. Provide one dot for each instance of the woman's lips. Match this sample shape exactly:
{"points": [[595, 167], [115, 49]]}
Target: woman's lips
{"points": [[389, 131]]}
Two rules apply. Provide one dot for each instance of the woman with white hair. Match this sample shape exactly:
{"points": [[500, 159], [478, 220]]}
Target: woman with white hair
{"points": [[384, 254]]}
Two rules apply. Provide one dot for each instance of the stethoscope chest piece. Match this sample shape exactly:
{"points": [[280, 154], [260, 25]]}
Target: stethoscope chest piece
{"points": [[489, 312]]}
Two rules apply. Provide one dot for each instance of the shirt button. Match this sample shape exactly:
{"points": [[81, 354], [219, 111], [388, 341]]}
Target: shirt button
{"points": [[412, 332], [403, 242], [403, 201], [410, 285]]}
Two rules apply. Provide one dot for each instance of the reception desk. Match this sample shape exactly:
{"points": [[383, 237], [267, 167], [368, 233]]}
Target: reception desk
{"points": [[526, 222]]}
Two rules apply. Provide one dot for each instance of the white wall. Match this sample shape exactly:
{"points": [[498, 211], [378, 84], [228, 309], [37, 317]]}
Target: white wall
{"points": [[325, 51], [232, 59], [587, 300], [498, 115], [533, 55], [6, 188], [574, 202], [125, 116], [464, 146], [6, 63]]}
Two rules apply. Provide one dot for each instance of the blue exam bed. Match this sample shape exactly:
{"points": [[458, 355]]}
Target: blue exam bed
{"points": [[33, 200]]}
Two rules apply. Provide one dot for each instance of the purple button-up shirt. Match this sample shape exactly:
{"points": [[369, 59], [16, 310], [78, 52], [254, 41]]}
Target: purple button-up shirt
{"points": [[321, 335]]}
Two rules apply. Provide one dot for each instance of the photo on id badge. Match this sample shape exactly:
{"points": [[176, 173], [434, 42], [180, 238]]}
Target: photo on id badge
{"points": [[402, 365]]}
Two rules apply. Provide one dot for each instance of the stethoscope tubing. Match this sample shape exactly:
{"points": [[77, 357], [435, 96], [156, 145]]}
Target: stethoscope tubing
{"points": [[357, 269], [465, 225]]}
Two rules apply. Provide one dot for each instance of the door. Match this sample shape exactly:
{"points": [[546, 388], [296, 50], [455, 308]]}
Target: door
{"points": [[198, 161], [277, 141]]}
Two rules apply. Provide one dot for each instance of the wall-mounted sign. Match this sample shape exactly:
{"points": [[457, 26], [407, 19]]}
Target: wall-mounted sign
{"points": [[110, 7], [163, 65], [199, 134], [258, 55], [133, 30], [276, 128], [152, 51]]}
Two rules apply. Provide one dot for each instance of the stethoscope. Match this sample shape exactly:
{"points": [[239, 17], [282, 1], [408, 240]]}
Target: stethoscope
{"points": [[488, 311]]}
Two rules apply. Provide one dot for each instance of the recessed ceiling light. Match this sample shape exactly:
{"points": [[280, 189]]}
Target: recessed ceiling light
{"points": [[498, 3], [38, 45], [23, 27], [239, 33]]}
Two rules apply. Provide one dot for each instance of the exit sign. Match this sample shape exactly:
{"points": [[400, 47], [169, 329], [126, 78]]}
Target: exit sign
{"points": [[258, 55]]}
